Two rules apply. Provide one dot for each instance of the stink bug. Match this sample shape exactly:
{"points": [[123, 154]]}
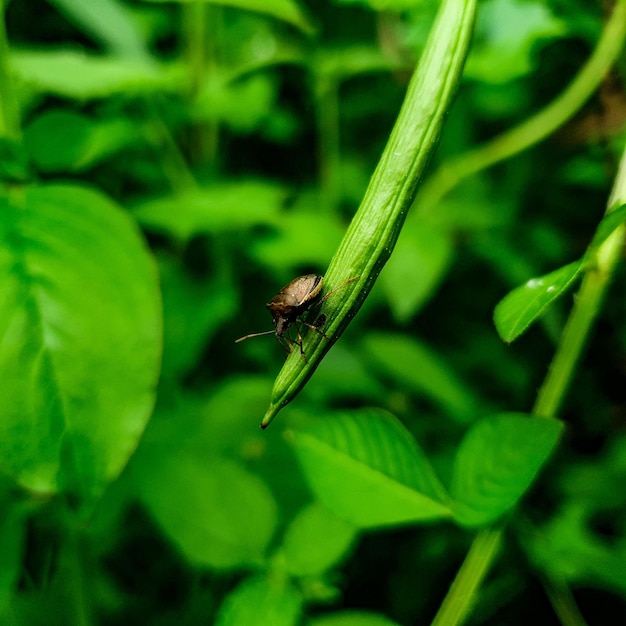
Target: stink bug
{"points": [[289, 305]]}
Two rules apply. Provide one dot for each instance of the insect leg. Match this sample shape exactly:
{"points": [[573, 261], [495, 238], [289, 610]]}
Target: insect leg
{"points": [[316, 328]]}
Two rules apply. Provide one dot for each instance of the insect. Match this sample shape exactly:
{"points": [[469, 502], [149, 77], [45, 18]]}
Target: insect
{"points": [[289, 305]]}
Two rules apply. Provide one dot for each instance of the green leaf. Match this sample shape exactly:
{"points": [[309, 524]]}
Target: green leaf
{"points": [[61, 140], [340, 63], [245, 105], [83, 76], [108, 21], [567, 549], [352, 618], [217, 513], [80, 337], [611, 221], [221, 207], [508, 33], [13, 161], [416, 267], [385, 5], [285, 10], [304, 237], [367, 469], [523, 306], [315, 541], [496, 463], [261, 601], [412, 364]]}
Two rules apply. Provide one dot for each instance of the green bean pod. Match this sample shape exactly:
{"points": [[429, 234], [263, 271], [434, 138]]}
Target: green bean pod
{"points": [[374, 230]]}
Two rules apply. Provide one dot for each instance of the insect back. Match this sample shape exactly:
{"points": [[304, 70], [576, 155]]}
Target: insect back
{"points": [[287, 308], [290, 304]]}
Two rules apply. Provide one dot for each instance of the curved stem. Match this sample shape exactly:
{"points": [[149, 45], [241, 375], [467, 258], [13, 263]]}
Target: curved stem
{"points": [[578, 328], [375, 228], [563, 603], [462, 594], [538, 127], [327, 106]]}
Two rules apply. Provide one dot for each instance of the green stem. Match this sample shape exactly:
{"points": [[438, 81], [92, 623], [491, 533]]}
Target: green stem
{"points": [[374, 230], [77, 579], [201, 31], [327, 106], [462, 593], [194, 20], [172, 161], [578, 328], [538, 127], [587, 304], [563, 603], [9, 108]]}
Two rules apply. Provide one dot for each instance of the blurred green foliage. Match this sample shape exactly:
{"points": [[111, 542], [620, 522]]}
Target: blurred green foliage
{"points": [[237, 138]]}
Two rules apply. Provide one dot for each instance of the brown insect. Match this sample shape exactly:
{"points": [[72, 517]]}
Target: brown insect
{"points": [[289, 305]]}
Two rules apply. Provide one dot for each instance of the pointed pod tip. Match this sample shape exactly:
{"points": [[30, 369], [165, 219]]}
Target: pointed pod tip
{"points": [[270, 414]]}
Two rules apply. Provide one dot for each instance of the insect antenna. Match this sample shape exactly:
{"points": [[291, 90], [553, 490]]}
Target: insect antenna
{"points": [[266, 332]]}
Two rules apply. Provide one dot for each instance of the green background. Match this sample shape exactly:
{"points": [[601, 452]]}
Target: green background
{"points": [[166, 168]]}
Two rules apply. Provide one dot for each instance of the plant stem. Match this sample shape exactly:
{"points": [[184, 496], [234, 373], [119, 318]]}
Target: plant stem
{"points": [[172, 161], [467, 582], [77, 578], [374, 229], [538, 127], [327, 107], [194, 19], [9, 108], [201, 32], [563, 603], [462, 593]]}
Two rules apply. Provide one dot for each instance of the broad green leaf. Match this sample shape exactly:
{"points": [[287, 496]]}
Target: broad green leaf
{"points": [[522, 306], [226, 206], [80, 338], [217, 513], [607, 226], [416, 267], [286, 10], [245, 105], [83, 76], [339, 63], [410, 363], [271, 602], [62, 140], [496, 463], [108, 21], [304, 238], [315, 541], [367, 468], [351, 618]]}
